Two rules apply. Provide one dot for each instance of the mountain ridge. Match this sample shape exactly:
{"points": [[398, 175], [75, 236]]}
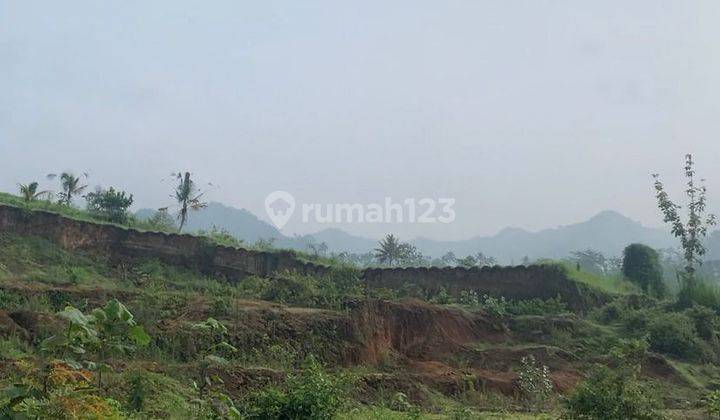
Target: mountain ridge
{"points": [[608, 232]]}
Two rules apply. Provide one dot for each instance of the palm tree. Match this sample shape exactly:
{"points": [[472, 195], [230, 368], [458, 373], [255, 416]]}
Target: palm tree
{"points": [[188, 197], [30, 193], [391, 250], [70, 185]]}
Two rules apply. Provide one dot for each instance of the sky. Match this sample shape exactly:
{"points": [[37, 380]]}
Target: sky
{"points": [[530, 114]]}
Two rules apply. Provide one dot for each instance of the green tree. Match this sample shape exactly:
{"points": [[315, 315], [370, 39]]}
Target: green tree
{"points": [[692, 231], [109, 204], [641, 265], [467, 262], [70, 185], [188, 197], [391, 250], [29, 192]]}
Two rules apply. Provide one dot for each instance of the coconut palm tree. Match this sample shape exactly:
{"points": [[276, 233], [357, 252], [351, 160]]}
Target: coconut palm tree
{"points": [[30, 193], [70, 186], [391, 250], [188, 197]]}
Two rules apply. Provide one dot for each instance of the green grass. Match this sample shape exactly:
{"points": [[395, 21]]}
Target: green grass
{"points": [[612, 284]]}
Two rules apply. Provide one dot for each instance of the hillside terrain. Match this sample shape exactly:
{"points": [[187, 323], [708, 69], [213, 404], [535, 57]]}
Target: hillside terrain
{"points": [[328, 342]]}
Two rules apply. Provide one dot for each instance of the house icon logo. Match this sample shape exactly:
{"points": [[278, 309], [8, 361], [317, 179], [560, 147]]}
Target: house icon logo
{"points": [[279, 206]]}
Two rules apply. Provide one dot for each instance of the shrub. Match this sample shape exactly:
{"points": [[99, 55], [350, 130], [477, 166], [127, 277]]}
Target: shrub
{"points": [[636, 321], [109, 204], [314, 394], [292, 288], [442, 297], [253, 287], [535, 383], [711, 403], [469, 298], [705, 322], [612, 394], [553, 306], [610, 312], [674, 334]]}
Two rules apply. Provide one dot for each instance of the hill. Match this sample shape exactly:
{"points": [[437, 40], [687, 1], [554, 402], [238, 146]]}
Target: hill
{"points": [[393, 345], [608, 232]]}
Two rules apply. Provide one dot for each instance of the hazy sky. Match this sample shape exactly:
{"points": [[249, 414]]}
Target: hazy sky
{"points": [[528, 113]]}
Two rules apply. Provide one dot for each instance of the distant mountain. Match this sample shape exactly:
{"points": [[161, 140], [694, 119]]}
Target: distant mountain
{"points": [[608, 232], [337, 239], [239, 222]]}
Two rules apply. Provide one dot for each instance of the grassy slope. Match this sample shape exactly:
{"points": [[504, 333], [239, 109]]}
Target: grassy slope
{"points": [[38, 276]]}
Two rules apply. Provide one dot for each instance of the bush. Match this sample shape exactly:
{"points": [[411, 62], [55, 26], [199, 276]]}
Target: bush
{"points": [[641, 265], [538, 307], [314, 394], [292, 288], [636, 321], [535, 383], [610, 395], [674, 334], [109, 204], [705, 322], [711, 403]]}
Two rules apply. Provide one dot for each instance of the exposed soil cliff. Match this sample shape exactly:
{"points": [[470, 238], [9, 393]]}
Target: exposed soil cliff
{"points": [[119, 244]]}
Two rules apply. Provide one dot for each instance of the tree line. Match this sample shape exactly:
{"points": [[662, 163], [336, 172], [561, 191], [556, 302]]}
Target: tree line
{"points": [[112, 204]]}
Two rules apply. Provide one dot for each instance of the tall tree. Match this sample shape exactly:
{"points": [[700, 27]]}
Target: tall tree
{"points": [[391, 250], [188, 197], [29, 192], [692, 231], [70, 185]]}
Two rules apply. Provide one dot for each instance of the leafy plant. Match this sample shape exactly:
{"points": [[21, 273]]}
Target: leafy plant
{"points": [[117, 334], [692, 231], [213, 350], [612, 394], [534, 383], [674, 333], [70, 186], [109, 204], [313, 394], [107, 331], [29, 192], [711, 403]]}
